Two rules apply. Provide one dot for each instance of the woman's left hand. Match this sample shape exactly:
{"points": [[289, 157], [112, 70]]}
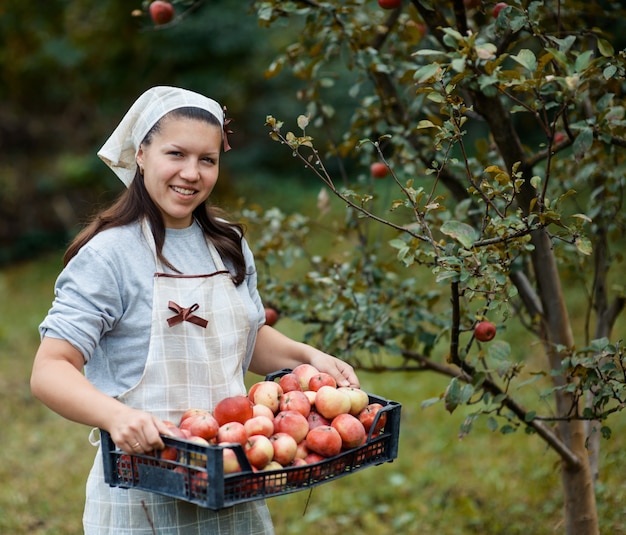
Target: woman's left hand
{"points": [[342, 371]]}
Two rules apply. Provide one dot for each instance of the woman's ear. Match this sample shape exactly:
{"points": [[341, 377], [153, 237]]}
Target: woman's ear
{"points": [[139, 159]]}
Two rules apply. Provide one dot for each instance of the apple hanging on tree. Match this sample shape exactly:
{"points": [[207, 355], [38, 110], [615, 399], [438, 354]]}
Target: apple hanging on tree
{"points": [[161, 12], [271, 316], [389, 4], [484, 331], [497, 8], [379, 170]]}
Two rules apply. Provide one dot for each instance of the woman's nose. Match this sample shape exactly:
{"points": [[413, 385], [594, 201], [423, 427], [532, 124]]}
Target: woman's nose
{"points": [[190, 170]]}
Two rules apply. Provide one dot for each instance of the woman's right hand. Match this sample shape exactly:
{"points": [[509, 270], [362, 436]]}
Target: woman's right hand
{"points": [[136, 431], [57, 381]]}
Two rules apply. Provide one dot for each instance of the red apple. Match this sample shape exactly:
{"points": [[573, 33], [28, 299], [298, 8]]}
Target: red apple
{"points": [[260, 425], [302, 451], [289, 382], [277, 482], [379, 170], [196, 458], [389, 4], [266, 393], [192, 412], [484, 331], [169, 453], [231, 463], [321, 379], [324, 440], [304, 372], [259, 451], [232, 433], [271, 316], [368, 415], [358, 399], [559, 137], [201, 425], [262, 410], [330, 402], [497, 8], [295, 401], [161, 12], [199, 482], [233, 409], [315, 419], [285, 448], [350, 429], [292, 423]]}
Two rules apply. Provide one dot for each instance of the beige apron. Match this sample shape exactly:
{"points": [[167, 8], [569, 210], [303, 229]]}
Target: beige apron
{"points": [[189, 364]]}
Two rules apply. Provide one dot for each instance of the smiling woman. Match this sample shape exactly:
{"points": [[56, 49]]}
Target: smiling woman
{"points": [[179, 161], [159, 250]]}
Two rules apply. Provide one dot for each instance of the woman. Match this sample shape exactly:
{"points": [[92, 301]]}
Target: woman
{"points": [[158, 304]]}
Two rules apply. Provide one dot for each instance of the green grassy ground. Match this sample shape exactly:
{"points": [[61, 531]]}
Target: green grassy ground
{"points": [[484, 483]]}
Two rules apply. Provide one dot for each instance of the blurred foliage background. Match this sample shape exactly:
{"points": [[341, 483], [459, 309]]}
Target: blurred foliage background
{"points": [[70, 70]]}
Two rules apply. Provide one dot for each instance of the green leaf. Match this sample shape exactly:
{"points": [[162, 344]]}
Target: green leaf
{"points": [[462, 232], [583, 245], [526, 59], [583, 142], [605, 48]]}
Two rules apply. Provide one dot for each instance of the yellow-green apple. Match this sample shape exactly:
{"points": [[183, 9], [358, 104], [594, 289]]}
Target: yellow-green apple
{"points": [[359, 399], [296, 400], [285, 448], [233, 409], [321, 379], [350, 429], [259, 451], [330, 402], [260, 425], [304, 372], [324, 440], [293, 423]]}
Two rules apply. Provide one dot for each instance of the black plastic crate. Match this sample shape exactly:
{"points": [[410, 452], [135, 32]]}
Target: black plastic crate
{"points": [[197, 476]]}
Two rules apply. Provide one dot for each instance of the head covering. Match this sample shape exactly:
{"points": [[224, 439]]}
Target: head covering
{"points": [[120, 150]]}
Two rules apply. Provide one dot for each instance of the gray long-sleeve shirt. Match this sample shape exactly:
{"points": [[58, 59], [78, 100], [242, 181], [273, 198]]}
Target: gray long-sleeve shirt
{"points": [[103, 300]]}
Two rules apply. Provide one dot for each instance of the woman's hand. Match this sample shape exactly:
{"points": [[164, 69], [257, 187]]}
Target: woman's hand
{"points": [[342, 371], [274, 351], [58, 382], [136, 431]]}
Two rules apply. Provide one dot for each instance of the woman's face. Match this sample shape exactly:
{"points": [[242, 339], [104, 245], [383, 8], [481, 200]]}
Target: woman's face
{"points": [[180, 167]]}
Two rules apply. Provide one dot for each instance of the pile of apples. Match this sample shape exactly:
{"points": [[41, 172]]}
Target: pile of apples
{"points": [[302, 418]]}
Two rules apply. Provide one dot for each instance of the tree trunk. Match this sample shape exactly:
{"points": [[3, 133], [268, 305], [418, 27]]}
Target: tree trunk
{"points": [[580, 511]]}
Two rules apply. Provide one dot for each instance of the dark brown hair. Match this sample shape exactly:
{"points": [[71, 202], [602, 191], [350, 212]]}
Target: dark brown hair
{"points": [[135, 203]]}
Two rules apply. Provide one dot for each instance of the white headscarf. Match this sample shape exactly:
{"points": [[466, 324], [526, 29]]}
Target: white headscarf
{"points": [[120, 150]]}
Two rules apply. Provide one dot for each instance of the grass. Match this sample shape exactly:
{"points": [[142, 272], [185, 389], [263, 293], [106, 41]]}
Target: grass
{"points": [[440, 484]]}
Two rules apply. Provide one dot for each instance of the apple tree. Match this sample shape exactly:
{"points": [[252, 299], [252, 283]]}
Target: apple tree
{"points": [[502, 129]]}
